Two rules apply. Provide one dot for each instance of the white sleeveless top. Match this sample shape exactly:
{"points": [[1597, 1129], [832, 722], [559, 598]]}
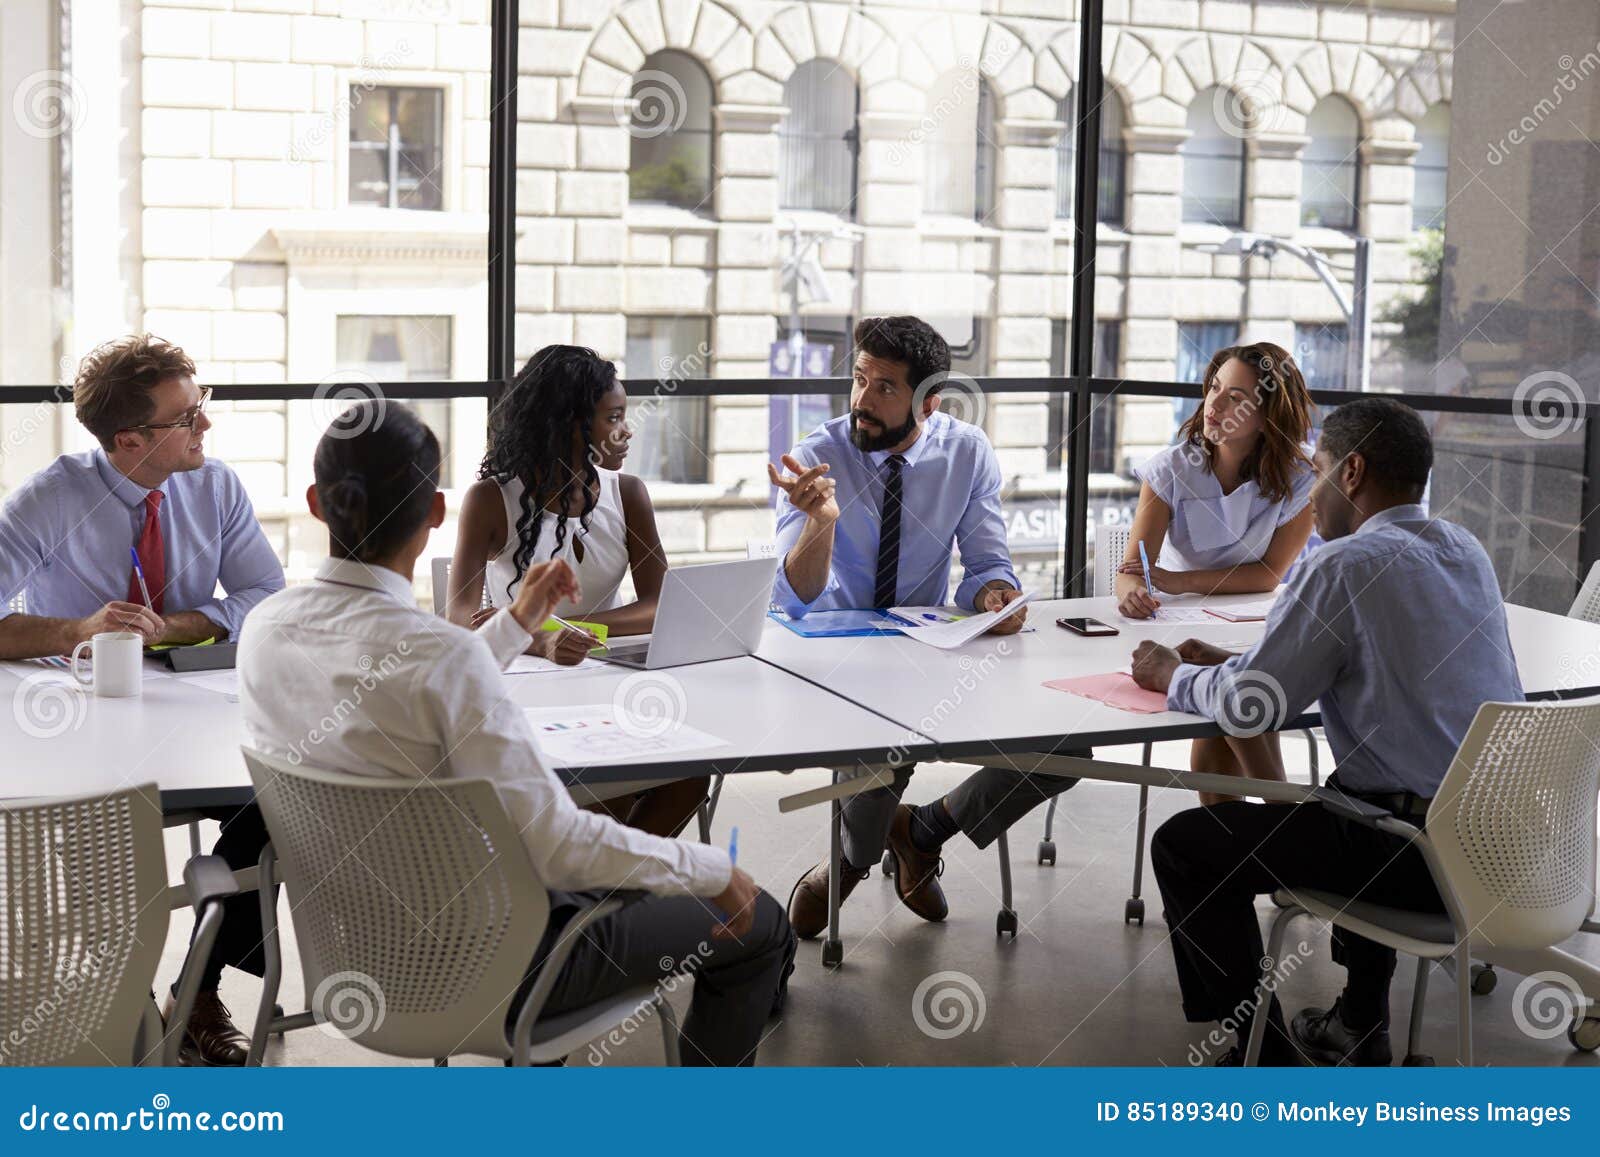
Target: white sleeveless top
{"points": [[605, 549]]}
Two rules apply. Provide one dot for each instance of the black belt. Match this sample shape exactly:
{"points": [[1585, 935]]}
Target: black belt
{"points": [[1405, 805]]}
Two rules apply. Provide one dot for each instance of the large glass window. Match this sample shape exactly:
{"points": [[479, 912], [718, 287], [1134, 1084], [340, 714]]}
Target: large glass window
{"points": [[818, 137], [1431, 167], [669, 431], [669, 161], [1112, 191], [397, 147], [1213, 164], [1330, 185], [959, 151], [1322, 352]]}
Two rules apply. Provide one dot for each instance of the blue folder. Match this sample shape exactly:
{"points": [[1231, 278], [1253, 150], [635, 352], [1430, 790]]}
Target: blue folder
{"points": [[840, 624]]}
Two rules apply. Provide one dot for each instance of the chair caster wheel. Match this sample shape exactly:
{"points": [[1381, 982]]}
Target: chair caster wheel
{"points": [[1584, 1033], [1047, 852], [888, 865], [1005, 924], [1417, 1061], [1483, 979], [1133, 911], [832, 954]]}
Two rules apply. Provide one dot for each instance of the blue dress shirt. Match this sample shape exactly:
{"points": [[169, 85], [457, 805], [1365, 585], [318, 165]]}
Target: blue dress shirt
{"points": [[65, 534], [1398, 630], [950, 498]]}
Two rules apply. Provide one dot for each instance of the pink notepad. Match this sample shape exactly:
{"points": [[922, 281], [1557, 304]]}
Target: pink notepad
{"points": [[1115, 690]]}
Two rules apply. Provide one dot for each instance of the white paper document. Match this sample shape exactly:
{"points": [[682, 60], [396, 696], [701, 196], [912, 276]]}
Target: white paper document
{"points": [[593, 733], [949, 635], [225, 682], [533, 665]]}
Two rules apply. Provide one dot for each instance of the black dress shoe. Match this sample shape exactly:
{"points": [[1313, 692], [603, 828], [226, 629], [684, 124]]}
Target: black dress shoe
{"points": [[1322, 1035]]}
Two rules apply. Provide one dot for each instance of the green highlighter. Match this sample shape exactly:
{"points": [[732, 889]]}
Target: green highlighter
{"points": [[598, 630]]}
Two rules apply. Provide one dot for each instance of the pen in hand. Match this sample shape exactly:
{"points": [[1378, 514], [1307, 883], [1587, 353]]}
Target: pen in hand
{"points": [[1144, 561], [138, 572]]}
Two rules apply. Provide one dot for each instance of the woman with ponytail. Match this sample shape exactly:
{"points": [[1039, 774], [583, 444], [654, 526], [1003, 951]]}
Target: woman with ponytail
{"points": [[551, 487]]}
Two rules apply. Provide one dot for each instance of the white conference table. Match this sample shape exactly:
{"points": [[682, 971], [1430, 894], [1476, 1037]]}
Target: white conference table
{"points": [[186, 739], [988, 697]]}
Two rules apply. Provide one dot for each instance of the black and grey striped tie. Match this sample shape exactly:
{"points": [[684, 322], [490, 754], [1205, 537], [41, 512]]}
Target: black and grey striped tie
{"points": [[889, 537]]}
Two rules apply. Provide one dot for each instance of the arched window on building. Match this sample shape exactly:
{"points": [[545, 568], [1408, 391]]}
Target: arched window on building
{"points": [[818, 139], [1432, 163], [1330, 181], [669, 153], [1213, 164]]}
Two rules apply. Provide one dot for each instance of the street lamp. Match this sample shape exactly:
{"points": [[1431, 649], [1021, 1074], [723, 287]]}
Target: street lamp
{"points": [[1355, 306]]}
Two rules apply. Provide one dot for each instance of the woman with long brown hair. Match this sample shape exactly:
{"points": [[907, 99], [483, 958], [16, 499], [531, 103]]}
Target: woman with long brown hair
{"points": [[1225, 510]]}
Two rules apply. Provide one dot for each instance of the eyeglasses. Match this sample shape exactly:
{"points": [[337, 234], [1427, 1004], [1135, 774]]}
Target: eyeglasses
{"points": [[186, 422]]}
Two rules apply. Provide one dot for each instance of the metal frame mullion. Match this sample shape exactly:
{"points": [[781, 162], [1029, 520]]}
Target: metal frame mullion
{"points": [[502, 304], [1080, 347]]}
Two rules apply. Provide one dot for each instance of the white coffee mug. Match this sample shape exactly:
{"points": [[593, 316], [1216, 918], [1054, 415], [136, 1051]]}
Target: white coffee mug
{"points": [[118, 664]]}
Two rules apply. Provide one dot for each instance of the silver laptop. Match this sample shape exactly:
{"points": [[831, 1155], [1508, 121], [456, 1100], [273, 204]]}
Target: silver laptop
{"points": [[714, 611]]}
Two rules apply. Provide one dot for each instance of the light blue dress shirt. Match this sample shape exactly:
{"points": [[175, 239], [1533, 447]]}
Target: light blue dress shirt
{"points": [[950, 499], [65, 534], [1398, 630]]}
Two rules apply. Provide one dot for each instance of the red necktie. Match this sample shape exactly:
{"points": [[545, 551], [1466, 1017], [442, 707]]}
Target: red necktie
{"points": [[152, 556]]}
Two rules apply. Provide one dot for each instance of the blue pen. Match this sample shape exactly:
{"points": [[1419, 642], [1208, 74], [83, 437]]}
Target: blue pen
{"points": [[1144, 561], [139, 574], [733, 845]]}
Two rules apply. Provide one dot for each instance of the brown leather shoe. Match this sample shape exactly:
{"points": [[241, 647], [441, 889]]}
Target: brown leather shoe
{"points": [[916, 873], [211, 1038], [808, 903]]}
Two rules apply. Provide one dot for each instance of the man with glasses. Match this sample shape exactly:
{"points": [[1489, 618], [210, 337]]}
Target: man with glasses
{"points": [[67, 574]]}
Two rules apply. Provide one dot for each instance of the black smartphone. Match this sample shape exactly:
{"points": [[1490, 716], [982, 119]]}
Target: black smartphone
{"points": [[1093, 628]]}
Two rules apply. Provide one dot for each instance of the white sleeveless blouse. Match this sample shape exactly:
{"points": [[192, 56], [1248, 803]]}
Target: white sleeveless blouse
{"points": [[605, 549]]}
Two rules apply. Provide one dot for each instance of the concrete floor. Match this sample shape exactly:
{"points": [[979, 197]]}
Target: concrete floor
{"points": [[1076, 987]]}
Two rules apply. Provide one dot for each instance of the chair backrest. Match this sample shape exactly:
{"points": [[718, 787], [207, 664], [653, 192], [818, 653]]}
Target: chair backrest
{"points": [[85, 919], [1513, 823], [415, 905], [1110, 547], [1587, 605], [441, 584], [440, 569]]}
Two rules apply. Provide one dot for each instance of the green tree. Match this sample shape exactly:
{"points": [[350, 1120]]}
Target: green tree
{"points": [[1418, 315]]}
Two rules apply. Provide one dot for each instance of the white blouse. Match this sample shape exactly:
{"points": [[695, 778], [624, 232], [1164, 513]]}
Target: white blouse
{"points": [[1210, 529], [605, 550]]}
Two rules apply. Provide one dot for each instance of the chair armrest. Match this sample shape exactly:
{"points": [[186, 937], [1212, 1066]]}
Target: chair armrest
{"points": [[208, 879], [1362, 812], [586, 915]]}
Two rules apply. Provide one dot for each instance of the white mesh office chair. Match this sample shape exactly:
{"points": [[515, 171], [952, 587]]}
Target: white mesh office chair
{"points": [[418, 955], [1110, 548], [85, 882], [1510, 842], [1587, 605]]}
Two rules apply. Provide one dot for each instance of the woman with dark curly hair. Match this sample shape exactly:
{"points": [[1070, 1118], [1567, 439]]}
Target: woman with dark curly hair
{"points": [[1226, 510], [551, 486]]}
